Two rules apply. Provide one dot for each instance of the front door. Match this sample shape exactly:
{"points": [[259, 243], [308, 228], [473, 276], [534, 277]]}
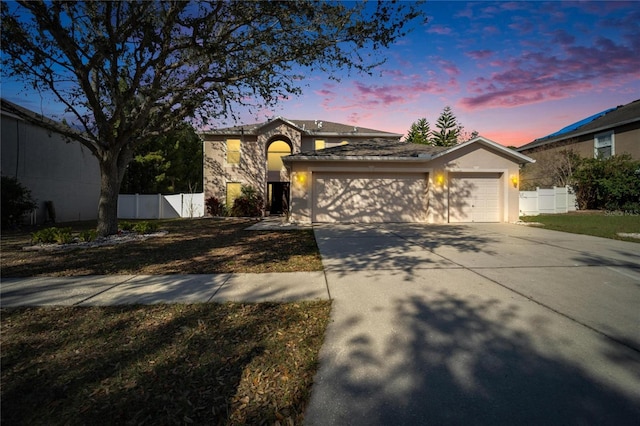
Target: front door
{"points": [[279, 197]]}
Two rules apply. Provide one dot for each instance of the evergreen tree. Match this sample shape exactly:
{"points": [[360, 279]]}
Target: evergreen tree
{"points": [[419, 132], [448, 129]]}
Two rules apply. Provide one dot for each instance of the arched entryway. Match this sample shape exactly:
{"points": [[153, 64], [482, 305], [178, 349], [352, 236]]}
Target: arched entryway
{"points": [[277, 177]]}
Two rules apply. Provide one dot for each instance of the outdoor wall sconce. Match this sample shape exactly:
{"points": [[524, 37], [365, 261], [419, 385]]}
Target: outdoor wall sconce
{"points": [[300, 178], [514, 180], [440, 179]]}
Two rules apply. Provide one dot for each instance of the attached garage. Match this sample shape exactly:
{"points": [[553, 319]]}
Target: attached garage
{"points": [[474, 197], [369, 198], [378, 181]]}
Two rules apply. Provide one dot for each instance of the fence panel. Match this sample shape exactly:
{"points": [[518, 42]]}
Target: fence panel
{"points": [[549, 200], [158, 206]]}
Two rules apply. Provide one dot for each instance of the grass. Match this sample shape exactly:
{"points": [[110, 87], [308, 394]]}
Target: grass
{"points": [[192, 246], [215, 364], [599, 224], [218, 364]]}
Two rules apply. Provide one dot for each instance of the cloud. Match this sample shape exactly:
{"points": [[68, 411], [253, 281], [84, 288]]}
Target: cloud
{"points": [[439, 29], [538, 76], [480, 54]]}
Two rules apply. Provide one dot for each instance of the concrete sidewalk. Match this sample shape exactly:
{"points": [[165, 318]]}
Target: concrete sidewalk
{"points": [[150, 289]]}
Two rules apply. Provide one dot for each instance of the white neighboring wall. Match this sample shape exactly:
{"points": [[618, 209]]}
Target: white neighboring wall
{"points": [[52, 168], [158, 206]]}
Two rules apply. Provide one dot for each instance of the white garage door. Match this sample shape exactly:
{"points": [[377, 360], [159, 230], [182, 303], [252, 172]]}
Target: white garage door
{"points": [[474, 197], [366, 198]]}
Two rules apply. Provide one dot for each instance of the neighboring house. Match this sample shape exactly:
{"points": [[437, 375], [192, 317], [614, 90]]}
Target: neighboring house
{"points": [[61, 173], [251, 155], [389, 181], [611, 132]]}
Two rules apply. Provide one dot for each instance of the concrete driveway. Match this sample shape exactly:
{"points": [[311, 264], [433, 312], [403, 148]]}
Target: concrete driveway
{"points": [[479, 324]]}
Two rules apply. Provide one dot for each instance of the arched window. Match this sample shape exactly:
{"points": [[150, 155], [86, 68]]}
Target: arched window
{"points": [[274, 155]]}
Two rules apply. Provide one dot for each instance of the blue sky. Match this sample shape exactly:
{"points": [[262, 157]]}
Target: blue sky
{"points": [[513, 71]]}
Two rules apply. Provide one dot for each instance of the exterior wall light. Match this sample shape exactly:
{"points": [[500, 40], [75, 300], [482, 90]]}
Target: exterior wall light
{"points": [[300, 179], [440, 179], [514, 180]]}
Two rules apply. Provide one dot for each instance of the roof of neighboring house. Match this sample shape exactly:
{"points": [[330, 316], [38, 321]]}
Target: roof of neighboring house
{"points": [[310, 127], [605, 120], [16, 111], [389, 149]]}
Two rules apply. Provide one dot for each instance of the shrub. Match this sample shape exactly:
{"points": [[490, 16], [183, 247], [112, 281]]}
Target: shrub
{"points": [[145, 227], [215, 207], [612, 183], [126, 226], [52, 235], [44, 236], [248, 204], [15, 201], [63, 235], [88, 236]]}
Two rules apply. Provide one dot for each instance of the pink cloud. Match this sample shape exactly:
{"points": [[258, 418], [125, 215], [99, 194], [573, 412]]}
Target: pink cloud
{"points": [[480, 54], [539, 76], [439, 29]]}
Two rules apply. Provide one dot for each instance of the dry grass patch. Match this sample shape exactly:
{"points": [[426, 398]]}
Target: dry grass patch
{"points": [[163, 364], [192, 246]]}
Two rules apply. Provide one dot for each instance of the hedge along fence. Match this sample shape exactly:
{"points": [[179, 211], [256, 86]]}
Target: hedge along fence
{"points": [[552, 200], [158, 206]]}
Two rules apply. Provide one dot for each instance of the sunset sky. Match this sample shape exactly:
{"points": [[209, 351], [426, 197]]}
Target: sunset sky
{"points": [[513, 71]]}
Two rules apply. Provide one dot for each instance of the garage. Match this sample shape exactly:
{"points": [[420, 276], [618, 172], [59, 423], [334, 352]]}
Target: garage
{"points": [[474, 197], [369, 197]]}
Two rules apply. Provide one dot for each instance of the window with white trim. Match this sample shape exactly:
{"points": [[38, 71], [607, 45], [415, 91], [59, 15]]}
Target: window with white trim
{"points": [[319, 144], [603, 145]]}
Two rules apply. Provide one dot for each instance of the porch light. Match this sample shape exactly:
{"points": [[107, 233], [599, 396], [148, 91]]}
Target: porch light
{"points": [[440, 179], [514, 180], [300, 178]]}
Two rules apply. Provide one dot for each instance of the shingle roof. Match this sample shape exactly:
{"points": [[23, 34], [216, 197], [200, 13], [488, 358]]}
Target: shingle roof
{"points": [[311, 127], [376, 147], [615, 117]]}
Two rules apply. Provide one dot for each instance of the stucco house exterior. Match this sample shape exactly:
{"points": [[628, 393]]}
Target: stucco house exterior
{"points": [[251, 155], [611, 132], [389, 181], [53, 168]]}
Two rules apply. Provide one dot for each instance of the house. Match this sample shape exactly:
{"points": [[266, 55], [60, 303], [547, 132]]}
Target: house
{"points": [[62, 175], [382, 180], [251, 155], [611, 132]]}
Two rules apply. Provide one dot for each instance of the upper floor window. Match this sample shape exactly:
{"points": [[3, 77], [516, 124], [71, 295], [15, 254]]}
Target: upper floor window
{"points": [[276, 151], [233, 151], [603, 145], [345, 142], [319, 144]]}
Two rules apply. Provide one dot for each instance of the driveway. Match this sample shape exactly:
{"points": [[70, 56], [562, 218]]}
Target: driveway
{"points": [[478, 324]]}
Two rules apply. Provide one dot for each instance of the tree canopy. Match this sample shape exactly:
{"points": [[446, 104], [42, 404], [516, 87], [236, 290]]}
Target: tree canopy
{"points": [[131, 71], [448, 131]]}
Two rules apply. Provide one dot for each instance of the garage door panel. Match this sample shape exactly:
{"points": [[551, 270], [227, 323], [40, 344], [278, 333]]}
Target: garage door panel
{"points": [[353, 197], [474, 197]]}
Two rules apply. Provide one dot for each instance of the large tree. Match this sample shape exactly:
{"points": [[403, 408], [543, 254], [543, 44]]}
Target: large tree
{"points": [[448, 130], [419, 132], [168, 164], [129, 71]]}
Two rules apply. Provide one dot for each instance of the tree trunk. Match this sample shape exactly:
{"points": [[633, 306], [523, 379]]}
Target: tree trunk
{"points": [[112, 168]]}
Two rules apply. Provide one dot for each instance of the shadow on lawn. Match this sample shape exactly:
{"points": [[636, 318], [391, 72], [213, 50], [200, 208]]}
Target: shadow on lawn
{"points": [[470, 360], [203, 364], [202, 246]]}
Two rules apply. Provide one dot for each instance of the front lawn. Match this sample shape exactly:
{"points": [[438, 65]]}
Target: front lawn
{"points": [[192, 246], [217, 364], [599, 224]]}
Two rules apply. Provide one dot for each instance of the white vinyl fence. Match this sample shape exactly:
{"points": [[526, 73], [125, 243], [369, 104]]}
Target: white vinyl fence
{"points": [[552, 200], [158, 206]]}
